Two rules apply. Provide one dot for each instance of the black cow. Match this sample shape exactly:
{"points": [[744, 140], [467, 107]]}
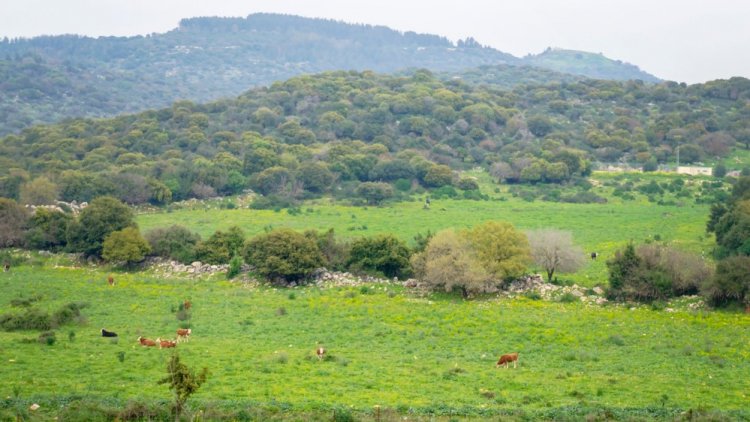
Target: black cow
{"points": [[6, 267], [594, 255], [106, 333]]}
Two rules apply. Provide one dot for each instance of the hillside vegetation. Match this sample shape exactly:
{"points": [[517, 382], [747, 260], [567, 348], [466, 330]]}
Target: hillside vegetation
{"points": [[333, 131], [46, 79]]}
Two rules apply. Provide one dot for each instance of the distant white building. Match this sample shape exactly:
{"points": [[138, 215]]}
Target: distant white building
{"points": [[695, 170]]}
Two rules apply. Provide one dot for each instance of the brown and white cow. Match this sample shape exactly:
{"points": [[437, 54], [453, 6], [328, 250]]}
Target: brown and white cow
{"points": [[320, 351], [111, 280], [506, 359], [146, 342], [183, 334], [165, 344]]}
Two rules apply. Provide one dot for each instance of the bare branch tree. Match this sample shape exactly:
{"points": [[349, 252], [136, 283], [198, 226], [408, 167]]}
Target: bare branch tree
{"points": [[553, 250]]}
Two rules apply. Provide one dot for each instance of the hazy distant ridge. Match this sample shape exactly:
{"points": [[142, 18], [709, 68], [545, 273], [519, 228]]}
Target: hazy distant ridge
{"points": [[48, 78]]}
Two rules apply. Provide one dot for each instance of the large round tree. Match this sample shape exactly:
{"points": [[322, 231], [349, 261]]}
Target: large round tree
{"points": [[283, 255], [103, 216]]}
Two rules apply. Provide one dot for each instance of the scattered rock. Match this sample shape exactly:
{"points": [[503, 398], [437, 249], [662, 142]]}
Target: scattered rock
{"points": [[34, 407]]}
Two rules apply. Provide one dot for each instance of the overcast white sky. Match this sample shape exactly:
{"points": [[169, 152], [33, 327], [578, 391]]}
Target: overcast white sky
{"points": [[683, 40]]}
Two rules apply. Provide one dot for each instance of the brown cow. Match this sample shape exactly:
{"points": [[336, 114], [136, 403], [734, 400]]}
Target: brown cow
{"points": [[146, 342], [165, 344], [320, 351], [111, 280], [506, 359], [186, 305], [183, 334]]}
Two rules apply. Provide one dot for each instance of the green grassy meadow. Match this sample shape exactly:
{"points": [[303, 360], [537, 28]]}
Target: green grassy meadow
{"points": [[603, 228], [422, 355]]}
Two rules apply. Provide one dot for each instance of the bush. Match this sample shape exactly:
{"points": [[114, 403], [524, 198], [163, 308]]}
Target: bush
{"points": [[450, 263], [48, 338], [283, 255], [47, 230], [374, 192], [383, 254], [125, 246], [235, 264], [335, 252], [654, 272], [467, 183], [103, 216], [175, 242], [221, 246], [32, 319], [731, 284]]}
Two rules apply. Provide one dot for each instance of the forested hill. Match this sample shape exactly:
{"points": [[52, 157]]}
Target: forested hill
{"points": [[333, 132], [46, 79]]}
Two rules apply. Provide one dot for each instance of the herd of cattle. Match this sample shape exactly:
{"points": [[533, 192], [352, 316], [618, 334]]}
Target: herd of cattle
{"points": [[183, 334]]}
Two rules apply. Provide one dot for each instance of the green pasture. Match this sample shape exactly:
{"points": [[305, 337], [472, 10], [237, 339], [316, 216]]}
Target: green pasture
{"points": [[387, 347], [601, 228]]}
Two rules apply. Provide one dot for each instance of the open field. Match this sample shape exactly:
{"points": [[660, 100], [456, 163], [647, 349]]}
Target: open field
{"points": [[431, 355], [603, 228]]}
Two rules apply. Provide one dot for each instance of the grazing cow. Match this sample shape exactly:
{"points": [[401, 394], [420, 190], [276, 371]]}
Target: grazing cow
{"points": [[106, 333], [165, 344], [187, 305], [6, 267], [183, 334], [146, 342], [594, 255], [506, 359], [111, 281], [320, 351]]}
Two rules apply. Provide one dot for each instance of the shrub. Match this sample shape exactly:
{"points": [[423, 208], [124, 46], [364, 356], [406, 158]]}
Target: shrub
{"points": [[654, 272], [374, 192], [383, 253], [283, 255], [731, 284], [103, 216], [235, 264], [48, 338], [31, 319], [221, 246], [467, 183], [449, 262], [175, 242], [126, 246], [182, 381], [47, 229], [335, 252]]}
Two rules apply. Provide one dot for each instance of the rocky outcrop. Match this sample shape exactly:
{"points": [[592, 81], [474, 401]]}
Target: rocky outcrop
{"points": [[195, 269], [324, 278], [548, 291], [61, 206]]}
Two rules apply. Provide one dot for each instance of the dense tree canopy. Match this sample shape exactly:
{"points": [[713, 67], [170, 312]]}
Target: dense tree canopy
{"points": [[347, 127]]}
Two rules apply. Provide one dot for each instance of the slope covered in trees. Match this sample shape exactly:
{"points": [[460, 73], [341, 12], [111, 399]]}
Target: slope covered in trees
{"points": [[46, 79], [312, 133]]}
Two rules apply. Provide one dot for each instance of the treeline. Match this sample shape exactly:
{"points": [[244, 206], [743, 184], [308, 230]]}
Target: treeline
{"points": [[334, 132], [471, 262]]}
